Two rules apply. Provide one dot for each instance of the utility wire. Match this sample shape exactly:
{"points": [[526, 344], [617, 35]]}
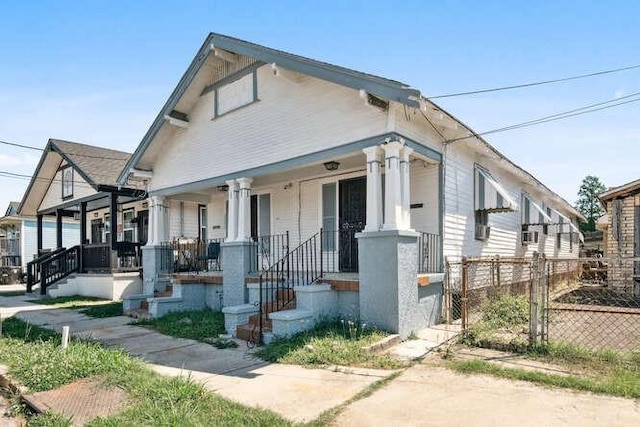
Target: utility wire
{"points": [[538, 83], [30, 147], [6, 174], [559, 116]]}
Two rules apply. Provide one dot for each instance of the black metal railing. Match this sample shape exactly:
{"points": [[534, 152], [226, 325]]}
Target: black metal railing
{"points": [[269, 249], [429, 253], [129, 254], [299, 267], [193, 255], [34, 269], [339, 250], [96, 257], [59, 266]]}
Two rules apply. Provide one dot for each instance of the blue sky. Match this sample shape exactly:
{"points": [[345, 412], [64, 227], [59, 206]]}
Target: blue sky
{"points": [[98, 72]]}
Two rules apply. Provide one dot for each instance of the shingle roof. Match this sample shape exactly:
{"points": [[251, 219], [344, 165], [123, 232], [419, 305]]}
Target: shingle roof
{"points": [[100, 165]]}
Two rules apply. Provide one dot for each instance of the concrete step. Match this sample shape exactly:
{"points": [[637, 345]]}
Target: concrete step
{"points": [[144, 305], [249, 332], [254, 319], [285, 294]]}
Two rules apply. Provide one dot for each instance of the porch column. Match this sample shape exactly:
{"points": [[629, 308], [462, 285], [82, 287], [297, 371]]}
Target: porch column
{"points": [[39, 233], [83, 223], [151, 232], [374, 188], [160, 220], [244, 209], [393, 193], [59, 228], [232, 232], [405, 185], [113, 218]]}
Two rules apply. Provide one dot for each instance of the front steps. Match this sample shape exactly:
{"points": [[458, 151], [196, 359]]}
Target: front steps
{"points": [[285, 300]]}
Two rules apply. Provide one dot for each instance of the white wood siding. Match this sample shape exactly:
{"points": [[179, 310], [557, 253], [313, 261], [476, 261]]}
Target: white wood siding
{"points": [[53, 197], [459, 221], [290, 119], [425, 190], [183, 222]]}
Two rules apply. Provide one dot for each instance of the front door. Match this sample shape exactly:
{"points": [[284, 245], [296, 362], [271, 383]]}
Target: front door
{"points": [[96, 231], [351, 220], [143, 227]]}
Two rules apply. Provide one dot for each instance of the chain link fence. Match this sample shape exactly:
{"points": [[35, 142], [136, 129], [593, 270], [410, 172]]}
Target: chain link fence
{"points": [[511, 303]]}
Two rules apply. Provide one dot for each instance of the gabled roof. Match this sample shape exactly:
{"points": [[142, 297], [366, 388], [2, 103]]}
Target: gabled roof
{"points": [[12, 209], [390, 90], [622, 190], [96, 165]]}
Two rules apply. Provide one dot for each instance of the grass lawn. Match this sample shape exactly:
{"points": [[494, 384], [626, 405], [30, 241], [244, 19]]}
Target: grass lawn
{"points": [[201, 325], [111, 309], [36, 361], [75, 301], [330, 343]]}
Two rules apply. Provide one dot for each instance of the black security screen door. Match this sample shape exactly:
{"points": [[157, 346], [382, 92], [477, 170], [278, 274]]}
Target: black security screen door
{"points": [[143, 227], [351, 220]]}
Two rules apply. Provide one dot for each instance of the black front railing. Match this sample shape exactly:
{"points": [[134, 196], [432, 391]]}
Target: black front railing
{"points": [[192, 255], [299, 267], [59, 266], [96, 257], [129, 254], [429, 253], [34, 269], [269, 249]]}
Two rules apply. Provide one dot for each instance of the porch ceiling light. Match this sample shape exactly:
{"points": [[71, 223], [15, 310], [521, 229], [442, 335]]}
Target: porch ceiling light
{"points": [[331, 166], [223, 188]]}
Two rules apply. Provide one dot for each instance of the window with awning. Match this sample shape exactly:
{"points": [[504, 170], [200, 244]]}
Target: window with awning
{"points": [[564, 224], [533, 213], [490, 195]]}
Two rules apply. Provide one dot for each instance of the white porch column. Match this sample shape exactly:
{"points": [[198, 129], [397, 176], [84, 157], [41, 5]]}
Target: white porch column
{"points": [[160, 228], [393, 192], [244, 209], [405, 185], [374, 188], [232, 232], [151, 232]]}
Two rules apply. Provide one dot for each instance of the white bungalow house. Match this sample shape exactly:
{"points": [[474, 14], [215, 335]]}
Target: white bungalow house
{"points": [[322, 191], [77, 182]]}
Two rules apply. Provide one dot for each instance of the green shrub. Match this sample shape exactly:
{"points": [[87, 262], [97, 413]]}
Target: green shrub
{"points": [[506, 311]]}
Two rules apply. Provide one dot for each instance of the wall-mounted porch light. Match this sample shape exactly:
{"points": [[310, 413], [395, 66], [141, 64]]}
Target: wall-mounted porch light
{"points": [[222, 188], [331, 166]]}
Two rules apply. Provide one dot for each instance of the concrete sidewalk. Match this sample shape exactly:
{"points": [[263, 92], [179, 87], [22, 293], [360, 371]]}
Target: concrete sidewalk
{"points": [[296, 393]]}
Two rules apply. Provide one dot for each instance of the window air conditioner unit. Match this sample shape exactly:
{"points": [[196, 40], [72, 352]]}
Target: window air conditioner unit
{"points": [[482, 232], [529, 237]]}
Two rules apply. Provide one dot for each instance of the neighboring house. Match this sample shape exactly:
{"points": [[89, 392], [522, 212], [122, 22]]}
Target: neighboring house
{"points": [[79, 181], [18, 237], [369, 185], [621, 226]]}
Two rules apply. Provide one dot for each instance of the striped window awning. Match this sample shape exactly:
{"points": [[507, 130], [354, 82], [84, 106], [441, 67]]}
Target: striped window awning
{"points": [[564, 224], [490, 195], [533, 213]]}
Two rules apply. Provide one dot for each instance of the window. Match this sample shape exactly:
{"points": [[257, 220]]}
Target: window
{"points": [[128, 225], [329, 216], [67, 182], [482, 228], [202, 222], [236, 94], [107, 228]]}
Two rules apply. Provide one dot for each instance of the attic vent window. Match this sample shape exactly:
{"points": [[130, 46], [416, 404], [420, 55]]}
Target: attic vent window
{"points": [[377, 102], [236, 94], [67, 182]]}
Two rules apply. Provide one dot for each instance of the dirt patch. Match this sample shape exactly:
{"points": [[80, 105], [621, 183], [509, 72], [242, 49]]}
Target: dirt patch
{"points": [[601, 296]]}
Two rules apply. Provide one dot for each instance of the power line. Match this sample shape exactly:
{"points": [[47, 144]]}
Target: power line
{"points": [[30, 147], [6, 174], [558, 116], [538, 83]]}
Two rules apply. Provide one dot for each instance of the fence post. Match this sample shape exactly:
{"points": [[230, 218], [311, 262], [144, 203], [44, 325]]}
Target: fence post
{"points": [[447, 293], [463, 292], [544, 298], [533, 299], [498, 270]]}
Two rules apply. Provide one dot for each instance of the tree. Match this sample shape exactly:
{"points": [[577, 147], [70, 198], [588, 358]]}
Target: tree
{"points": [[588, 203]]}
